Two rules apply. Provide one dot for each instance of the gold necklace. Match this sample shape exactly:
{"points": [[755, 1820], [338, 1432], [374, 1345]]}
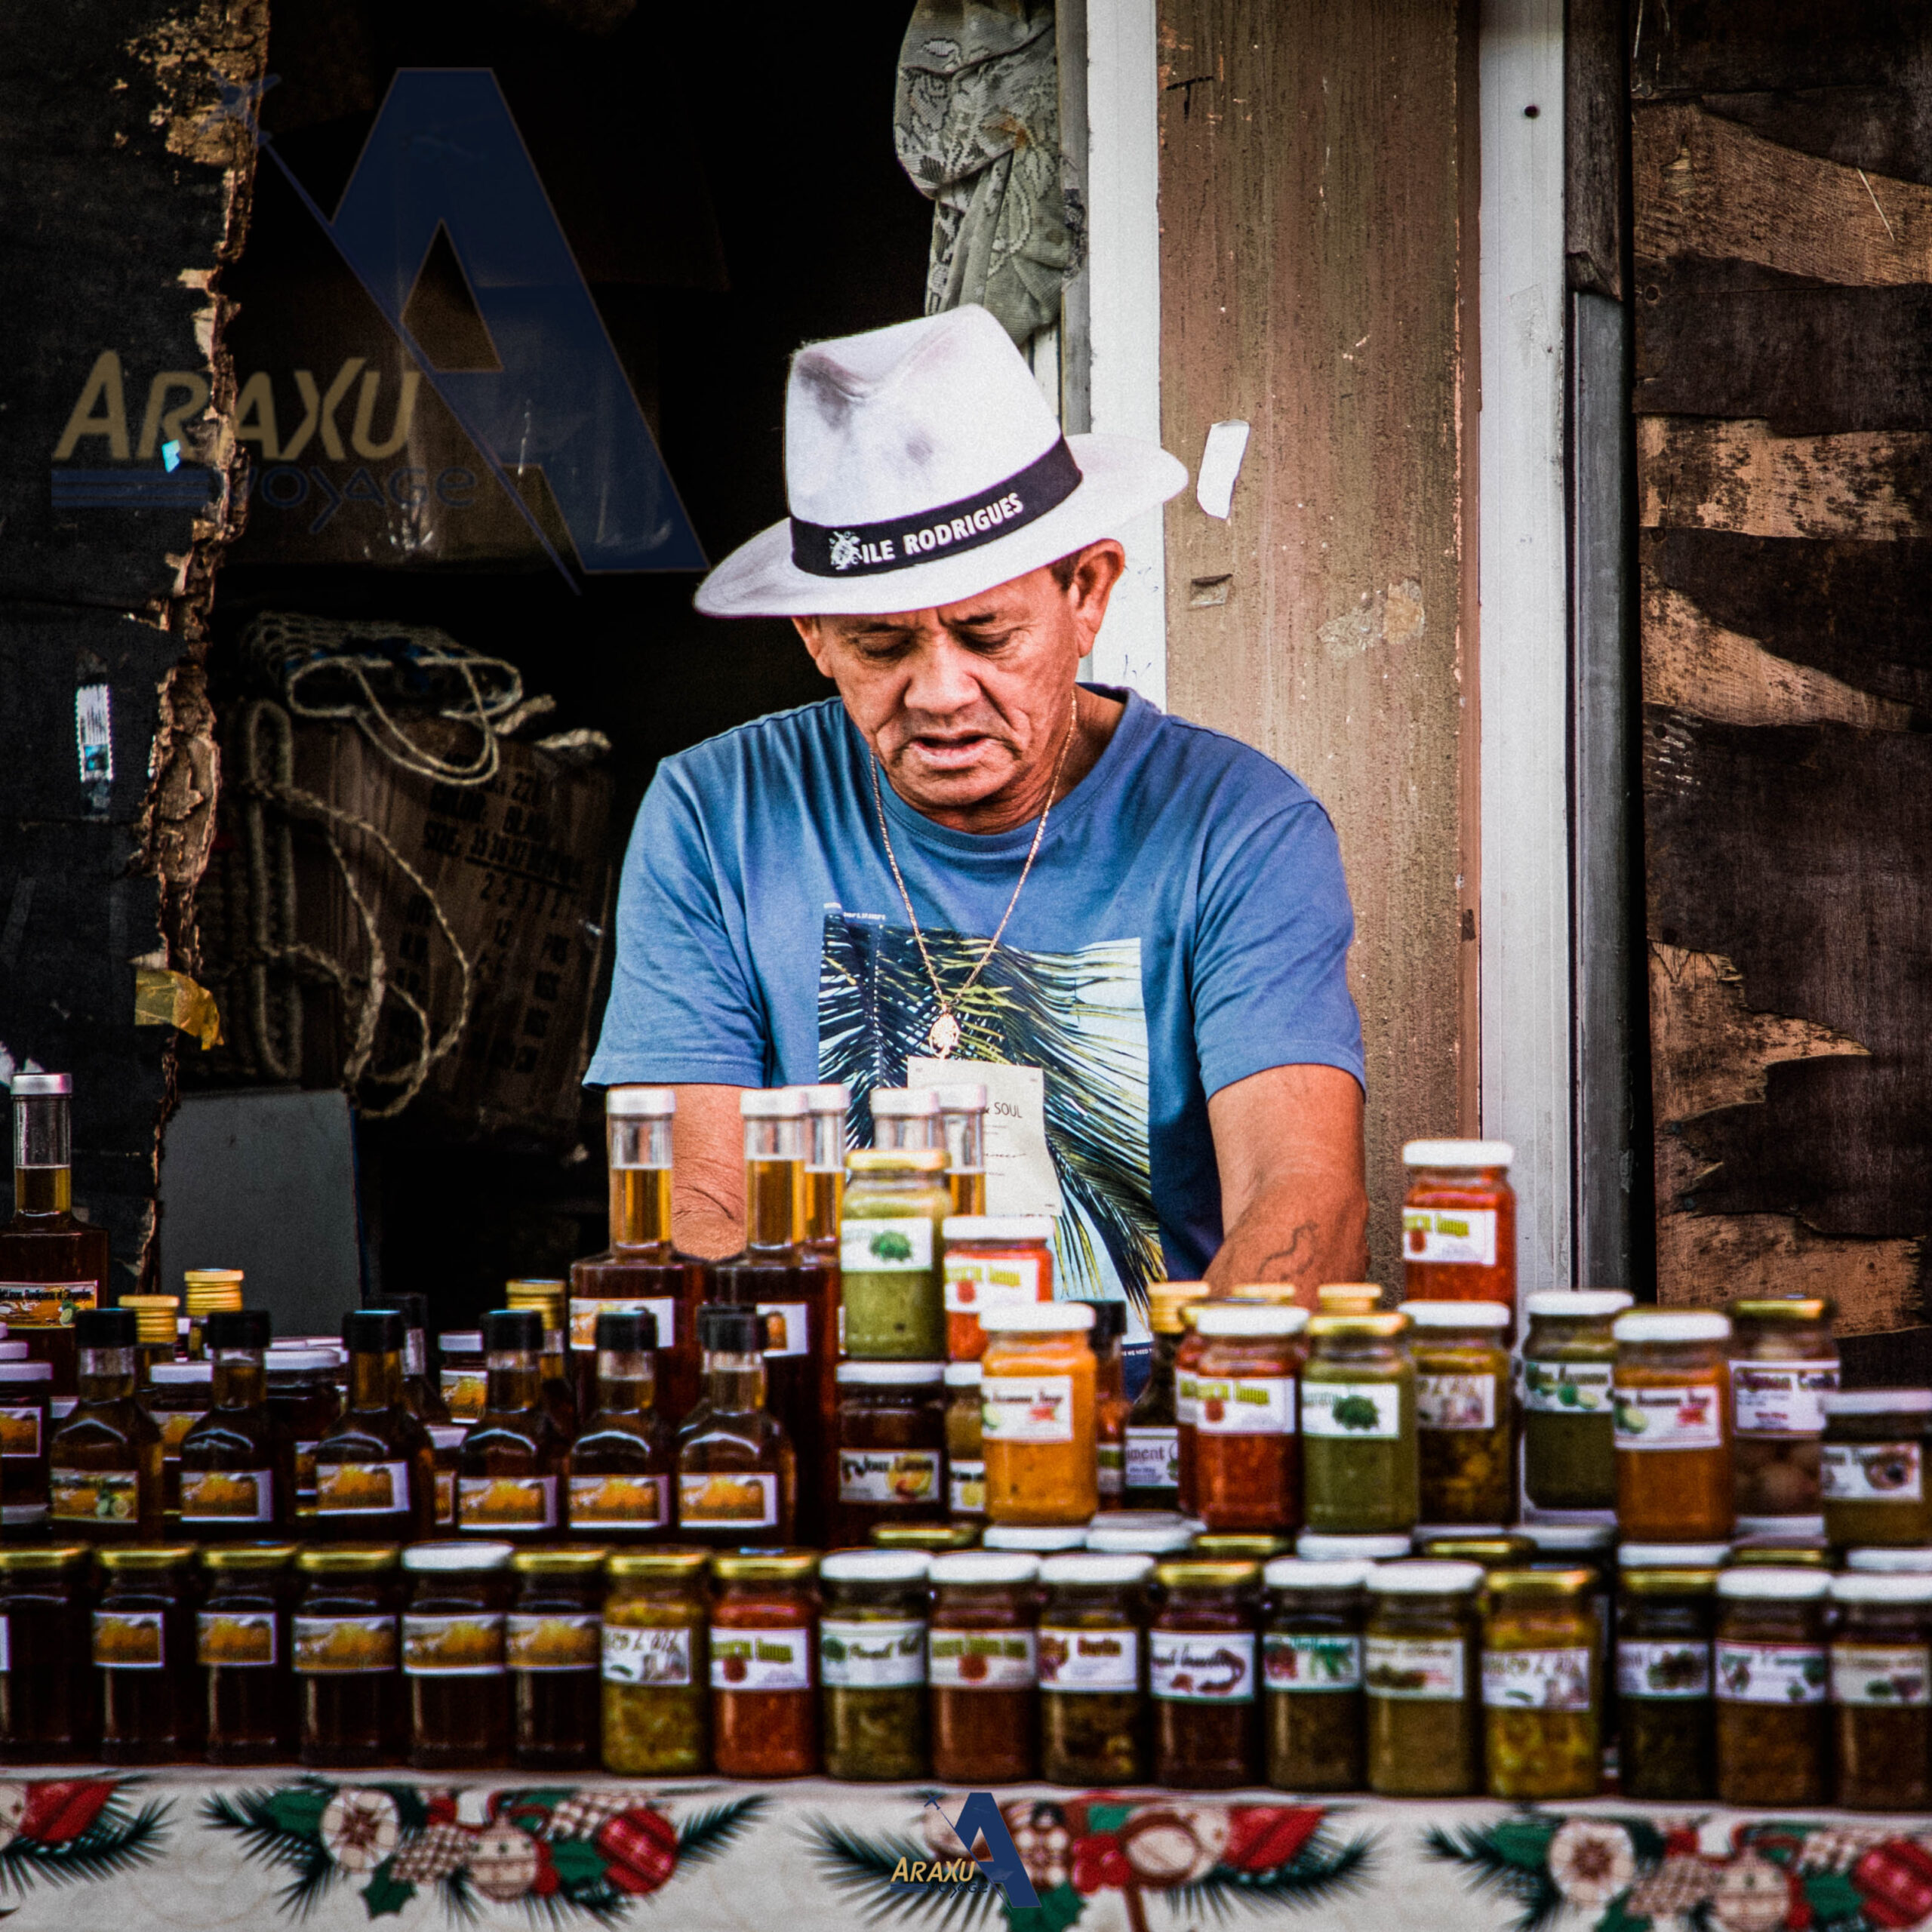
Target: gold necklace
{"points": [[946, 1032]]}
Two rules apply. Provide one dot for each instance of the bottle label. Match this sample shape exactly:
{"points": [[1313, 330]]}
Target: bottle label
{"points": [[506, 1502], [1026, 1408], [45, 1304], [463, 1391], [1892, 1676], [1434, 1236], [227, 1496], [983, 1660], [1246, 1405], [788, 1327], [1684, 1416], [19, 1433], [1566, 1387], [889, 1475], [236, 1639], [1110, 1468], [1781, 1398], [1153, 1458], [729, 1498], [1202, 1666], [744, 1659], [857, 1654], [1073, 1659], [973, 1285], [1428, 1668], [446, 1498], [362, 1489], [6, 1648], [305, 1472], [466, 1646], [90, 1495], [1661, 1669], [552, 1640], [174, 1425], [1363, 1410], [1871, 1473], [966, 1488], [1771, 1673], [617, 1502], [1301, 1660], [657, 1655], [129, 1640], [1455, 1402], [415, 1360], [901, 1244], [1556, 1680], [585, 1309], [328, 1646], [1187, 1398]]}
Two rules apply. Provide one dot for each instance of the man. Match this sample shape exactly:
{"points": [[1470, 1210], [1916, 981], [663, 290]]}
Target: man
{"points": [[969, 860]]}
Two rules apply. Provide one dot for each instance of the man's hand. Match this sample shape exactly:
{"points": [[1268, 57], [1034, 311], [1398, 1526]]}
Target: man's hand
{"points": [[707, 1181], [1288, 1143]]}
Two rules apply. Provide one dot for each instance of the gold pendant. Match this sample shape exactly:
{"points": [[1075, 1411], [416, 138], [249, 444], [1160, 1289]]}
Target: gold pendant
{"points": [[943, 1037]]}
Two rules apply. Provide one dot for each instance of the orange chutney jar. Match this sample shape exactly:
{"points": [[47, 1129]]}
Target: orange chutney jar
{"points": [[1458, 1222], [1037, 1411], [992, 1261], [1670, 1408]]}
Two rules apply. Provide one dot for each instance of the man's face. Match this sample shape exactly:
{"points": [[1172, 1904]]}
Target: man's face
{"points": [[966, 705]]}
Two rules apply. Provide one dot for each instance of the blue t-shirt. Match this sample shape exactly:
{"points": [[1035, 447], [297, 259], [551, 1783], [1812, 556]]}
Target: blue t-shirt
{"points": [[1185, 924]]}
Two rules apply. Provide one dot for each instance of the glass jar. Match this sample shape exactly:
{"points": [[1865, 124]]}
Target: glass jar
{"points": [[1187, 1404], [891, 1446], [552, 1643], [1359, 1469], [1872, 1470], [992, 1261], [1093, 1711], [1201, 1674], [1670, 1397], [178, 1396], [1458, 1222], [1152, 1433], [241, 1645], [1419, 1669], [304, 1397], [1037, 1414], [1569, 1435], [892, 1298], [1783, 1363], [237, 1465], [49, 1697], [348, 1692], [965, 1449], [871, 1661], [1542, 1711], [1666, 1719], [510, 1472], [618, 1478], [983, 1667], [656, 1677], [1247, 1464], [144, 1650], [763, 1724], [375, 1469], [1591, 1547], [1464, 1437], [1311, 1673], [452, 1653], [1773, 1724], [1882, 1667], [465, 1373], [1108, 1339], [24, 1434]]}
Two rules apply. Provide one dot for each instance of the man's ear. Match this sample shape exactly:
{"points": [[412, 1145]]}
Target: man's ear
{"points": [[817, 645], [1100, 567]]}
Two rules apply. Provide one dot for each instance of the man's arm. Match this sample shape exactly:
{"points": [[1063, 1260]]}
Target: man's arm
{"points": [[708, 1177], [1294, 1201]]}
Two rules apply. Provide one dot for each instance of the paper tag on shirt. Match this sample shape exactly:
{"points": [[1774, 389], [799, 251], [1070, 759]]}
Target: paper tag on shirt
{"points": [[1020, 1177], [1436, 1236]]}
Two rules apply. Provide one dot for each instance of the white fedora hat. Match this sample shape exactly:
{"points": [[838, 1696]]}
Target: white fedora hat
{"points": [[922, 464]]}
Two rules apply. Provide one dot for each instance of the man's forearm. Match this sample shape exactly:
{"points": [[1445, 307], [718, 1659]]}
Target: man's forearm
{"points": [[1302, 1230]]}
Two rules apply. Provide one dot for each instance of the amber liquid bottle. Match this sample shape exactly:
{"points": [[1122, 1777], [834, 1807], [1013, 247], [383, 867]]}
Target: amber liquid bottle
{"points": [[375, 1469], [51, 1265], [737, 1476], [962, 1114], [104, 1461], [420, 1389], [621, 1470], [510, 1470], [238, 1462], [551, 1300]]}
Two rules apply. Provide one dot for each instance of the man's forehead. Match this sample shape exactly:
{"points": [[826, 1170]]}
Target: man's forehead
{"points": [[983, 607]]}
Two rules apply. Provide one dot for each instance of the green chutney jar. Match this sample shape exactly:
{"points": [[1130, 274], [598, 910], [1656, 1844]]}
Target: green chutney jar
{"points": [[1359, 1468], [891, 1258]]}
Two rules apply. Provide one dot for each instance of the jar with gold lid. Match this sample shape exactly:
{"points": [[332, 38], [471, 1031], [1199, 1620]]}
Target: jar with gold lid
{"points": [[144, 1650], [454, 1663], [1666, 1601], [892, 1297], [1465, 1430], [764, 1646], [1152, 1433], [1201, 1673], [49, 1695], [242, 1636], [552, 1643], [1542, 1716], [1783, 1363], [1359, 1468], [347, 1690], [934, 1538], [655, 1672]]}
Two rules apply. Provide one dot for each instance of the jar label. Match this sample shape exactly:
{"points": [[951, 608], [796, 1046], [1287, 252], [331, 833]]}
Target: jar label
{"points": [[470, 1645], [1202, 1666], [1414, 1667], [973, 1284], [1110, 1468], [1026, 1408], [966, 1488], [1892, 1676], [1781, 1398], [506, 1502], [1556, 1680], [20, 1432], [1246, 1405], [1871, 1473], [88, 1496], [656, 1656], [778, 1659], [1687, 1415], [552, 1640], [446, 1498], [1436, 1236], [617, 1502], [362, 1489], [1770, 1673], [235, 1639], [1455, 1402], [1074, 1659], [1664, 1669], [1153, 1458], [1566, 1387], [1359, 1410], [1187, 1399], [889, 1475], [1300, 1660], [788, 1327], [174, 1425], [463, 1391], [860, 1654], [227, 1496], [325, 1646], [129, 1640], [45, 1304], [737, 1500], [585, 1309], [895, 1244], [982, 1660]]}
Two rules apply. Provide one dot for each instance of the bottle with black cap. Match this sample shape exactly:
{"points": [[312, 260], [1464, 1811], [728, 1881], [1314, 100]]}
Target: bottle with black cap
{"points": [[619, 1478], [511, 1466], [238, 1462], [421, 1390], [375, 1469], [737, 1476], [104, 1461]]}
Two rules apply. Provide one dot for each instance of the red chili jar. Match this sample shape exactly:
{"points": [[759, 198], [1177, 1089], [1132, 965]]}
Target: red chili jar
{"points": [[983, 1666], [1458, 1222], [763, 1638], [1246, 1460]]}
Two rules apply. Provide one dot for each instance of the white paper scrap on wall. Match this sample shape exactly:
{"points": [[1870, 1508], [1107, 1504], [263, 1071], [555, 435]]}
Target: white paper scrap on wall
{"points": [[1220, 467]]}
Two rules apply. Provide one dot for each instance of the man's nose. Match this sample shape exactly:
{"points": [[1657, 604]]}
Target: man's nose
{"points": [[941, 679]]}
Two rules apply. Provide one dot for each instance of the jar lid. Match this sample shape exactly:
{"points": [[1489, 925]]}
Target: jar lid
{"points": [[1562, 1536], [439, 1558], [1203, 1573], [667, 1560], [1167, 1300], [1424, 1576], [1782, 1308], [896, 1161], [1772, 1583], [1803, 1529], [1386, 1326], [1325, 1546], [567, 1560], [1039, 1318], [1035, 1537], [1780, 1552], [988, 1567], [14, 1352], [1901, 1587], [1096, 1570], [42, 1559], [1878, 1402], [1228, 1318], [1112, 1538], [26, 1371], [830, 1099], [461, 1342], [637, 1103], [248, 1556], [926, 1536], [1698, 1581], [290, 1361], [874, 1566], [1243, 1546], [1348, 1297], [1878, 1560], [1541, 1582], [1457, 1154], [1494, 1552], [997, 1227], [448, 1435], [1458, 1314], [764, 1566], [1671, 1324], [964, 1374], [1672, 1556], [360, 1559], [41, 1086], [903, 1103], [1302, 1572], [169, 1374], [143, 1557], [1275, 1294], [893, 1374], [1575, 1303], [771, 1103]]}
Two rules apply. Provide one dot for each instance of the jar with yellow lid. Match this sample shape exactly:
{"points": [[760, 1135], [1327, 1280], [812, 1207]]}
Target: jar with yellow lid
{"points": [[934, 1538], [1665, 1609], [764, 1664], [552, 1643], [1542, 1718], [144, 1650], [49, 1697], [1783, 1363], [1465, 1432], [1359, 1468], [348, 1688], [156, 1319], [892, 1292], [1201, 1674], [1239, 1546], [1801, 1552], [872, 1659], [965, 1447], [241, 1631], [1881, 1680], [1037, 1394], [1493, 1549], [656, 1675], [1569, 1440], [1419, 1670], [206, 1291], [1772, 1677], [1670, 1398]]}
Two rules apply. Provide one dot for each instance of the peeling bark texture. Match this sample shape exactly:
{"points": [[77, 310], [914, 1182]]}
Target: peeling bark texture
{"points": [[129, 193]]}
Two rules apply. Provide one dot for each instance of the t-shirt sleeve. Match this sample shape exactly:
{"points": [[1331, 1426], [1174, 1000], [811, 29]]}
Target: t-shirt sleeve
{"points": [[1273, 927], [683, 1006]]}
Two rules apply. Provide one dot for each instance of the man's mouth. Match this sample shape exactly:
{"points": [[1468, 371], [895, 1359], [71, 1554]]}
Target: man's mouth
{"points": [[952, 751]]}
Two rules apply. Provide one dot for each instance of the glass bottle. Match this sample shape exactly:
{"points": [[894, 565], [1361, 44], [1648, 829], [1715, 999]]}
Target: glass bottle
{"points": [[1313, 1715], [1569, 1437], [1465, 1433], [347, 1690], [989, 1261], [872, 1663], [618, 1470], [906, 1120], [462, 1374], [550, 1300], [825, 1167], [1093, 1678], [1542, 1712], [375, 1469], [104, 1461], [1783, 1363], [737, 1475], [656, 1673], [1425, 1728], [52, 1265], [763, 1644], [303, 1397], [1187, 1406], [1872, 1467], [1247, 1463], [1774, 1727], [510, 1470], [1458, 1222], [965, 1446], [238, 1463], [1666, 1720], [452, 1653], [1107, 1338], [774, 1120], [420, 1389], [1881, 1674], [1670, 1398], [962, 1126], [155, 1322], [554, 1647], [891, 1432], [176, 1396], [242, 1646], [24, 1432], [1151, 1436], [144, 1650], [982, 1667], [446, 1441], [49, 1696], [1037, 1391], [206, 1291], [1359, 1468], [1201, 1672], [892, 1296]]}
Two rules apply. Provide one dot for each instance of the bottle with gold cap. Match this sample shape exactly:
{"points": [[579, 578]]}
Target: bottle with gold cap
{"points": [[154, 1330], [1344, 1297], [550, 1300], [206, 1291], [1151, 1435]]}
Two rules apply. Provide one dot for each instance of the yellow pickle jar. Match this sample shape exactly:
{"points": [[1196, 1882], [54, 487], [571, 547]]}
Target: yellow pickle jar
{"points": [[1772, 1672], [1542, 1722], [1783, 1364], [656, 1666], [1464, 1432], [1420, 1671], [872, 1663]]}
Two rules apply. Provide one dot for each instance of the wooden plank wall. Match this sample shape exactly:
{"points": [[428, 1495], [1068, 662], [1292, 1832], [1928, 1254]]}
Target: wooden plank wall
{"points": [[1782, 175], [1317, 243]]}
